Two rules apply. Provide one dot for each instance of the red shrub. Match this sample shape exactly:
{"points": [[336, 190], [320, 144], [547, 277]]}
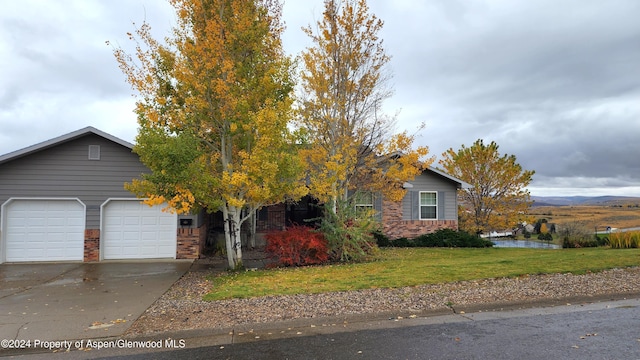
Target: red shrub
{"points": [[297, 246]]}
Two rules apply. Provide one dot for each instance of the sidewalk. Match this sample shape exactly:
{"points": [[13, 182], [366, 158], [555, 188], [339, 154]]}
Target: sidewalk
{"points": [[334, 325]]}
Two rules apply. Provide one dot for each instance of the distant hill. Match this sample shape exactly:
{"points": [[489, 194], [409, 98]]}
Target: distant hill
{"points": [[583, 200]]}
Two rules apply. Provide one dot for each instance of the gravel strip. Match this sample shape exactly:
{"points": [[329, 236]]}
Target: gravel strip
{"points": [[181, 308]]}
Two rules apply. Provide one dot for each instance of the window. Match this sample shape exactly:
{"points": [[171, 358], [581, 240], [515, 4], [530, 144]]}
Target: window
{"points": [[94, 152], [363, 202], [428, 205]]}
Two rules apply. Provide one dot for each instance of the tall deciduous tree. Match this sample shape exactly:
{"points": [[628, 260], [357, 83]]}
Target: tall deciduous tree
{"points": [[344, 83], [497, 198], [214, 103]]}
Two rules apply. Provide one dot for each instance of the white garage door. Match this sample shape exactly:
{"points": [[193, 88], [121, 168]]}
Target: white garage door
{"points": [[133, 230], [44, 230]]}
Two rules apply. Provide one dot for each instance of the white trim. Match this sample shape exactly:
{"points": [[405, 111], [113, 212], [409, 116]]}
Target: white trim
{"points": [[420, 205], [461, 184], [3, 218]]}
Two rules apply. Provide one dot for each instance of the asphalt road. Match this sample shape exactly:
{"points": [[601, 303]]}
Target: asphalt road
{"points": [[609, 330]]}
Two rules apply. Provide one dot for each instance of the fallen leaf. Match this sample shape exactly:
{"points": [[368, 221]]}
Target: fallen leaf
{"points": [[100, 326]]}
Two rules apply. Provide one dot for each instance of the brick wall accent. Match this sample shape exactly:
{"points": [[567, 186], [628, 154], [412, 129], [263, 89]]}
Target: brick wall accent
{"points": [[394, 227], [414, 228], [91, 245], [189, 243]]}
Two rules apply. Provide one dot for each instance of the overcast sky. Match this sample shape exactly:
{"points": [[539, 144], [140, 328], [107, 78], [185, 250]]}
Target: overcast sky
{"points": [[554, 82]]}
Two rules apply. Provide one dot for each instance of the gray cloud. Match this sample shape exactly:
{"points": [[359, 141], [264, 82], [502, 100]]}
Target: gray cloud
{"points": [[554, 83]]}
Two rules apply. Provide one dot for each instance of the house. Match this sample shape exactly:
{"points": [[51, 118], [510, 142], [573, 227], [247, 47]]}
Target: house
{"points": [[430, 204], [64, 200]]}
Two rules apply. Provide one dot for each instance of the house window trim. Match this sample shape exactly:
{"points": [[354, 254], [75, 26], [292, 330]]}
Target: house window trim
{"points": [[434, 206], [365, 206]]}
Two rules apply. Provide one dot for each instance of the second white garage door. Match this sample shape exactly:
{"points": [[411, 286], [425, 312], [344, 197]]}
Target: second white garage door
{"points": [[133, 230]]}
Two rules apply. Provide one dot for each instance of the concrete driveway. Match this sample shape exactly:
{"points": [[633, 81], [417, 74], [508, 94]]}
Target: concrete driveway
{"points": [[76, 301]]}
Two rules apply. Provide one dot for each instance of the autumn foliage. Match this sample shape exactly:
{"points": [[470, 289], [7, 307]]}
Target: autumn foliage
{"points": [[497, 197], [344, 83], [297, 246], [214, 103]]}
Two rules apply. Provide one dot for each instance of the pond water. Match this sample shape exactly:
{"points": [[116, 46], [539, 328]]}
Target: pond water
{"points": [[524, 244]]}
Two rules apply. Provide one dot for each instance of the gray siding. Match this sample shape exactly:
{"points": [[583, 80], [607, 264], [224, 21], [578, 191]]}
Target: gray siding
{"points": [[65, 171], [430, 181]]}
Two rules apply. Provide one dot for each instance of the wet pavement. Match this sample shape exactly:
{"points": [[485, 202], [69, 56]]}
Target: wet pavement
{"points": [[69, 301]]}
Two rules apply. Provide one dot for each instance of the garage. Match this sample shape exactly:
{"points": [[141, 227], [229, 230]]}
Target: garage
{"points": [[43, 230], [134, 230]]}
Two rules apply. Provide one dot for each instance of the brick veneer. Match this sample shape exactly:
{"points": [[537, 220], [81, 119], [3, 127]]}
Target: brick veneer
{"points": [[91, 245], [190, 243], [395, 227]]}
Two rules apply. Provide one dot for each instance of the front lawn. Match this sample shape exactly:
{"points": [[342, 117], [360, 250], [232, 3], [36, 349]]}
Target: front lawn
{"points": [[397, 267]]}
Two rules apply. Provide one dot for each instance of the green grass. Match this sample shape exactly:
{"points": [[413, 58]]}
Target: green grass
{"points": [[417, 266]]}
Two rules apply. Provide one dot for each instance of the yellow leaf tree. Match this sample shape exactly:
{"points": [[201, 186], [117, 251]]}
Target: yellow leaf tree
{"points": [[344, 82], [498, 198], [214, 104]]}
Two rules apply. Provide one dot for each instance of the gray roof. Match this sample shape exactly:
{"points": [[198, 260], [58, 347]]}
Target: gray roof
{"points": [[91, 130], [62, 139], [461, 184]]}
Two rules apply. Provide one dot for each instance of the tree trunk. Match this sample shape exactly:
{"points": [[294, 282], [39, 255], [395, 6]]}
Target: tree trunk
{"points": [[227, 238], [234, 230], [252, 236], [231, 216]]}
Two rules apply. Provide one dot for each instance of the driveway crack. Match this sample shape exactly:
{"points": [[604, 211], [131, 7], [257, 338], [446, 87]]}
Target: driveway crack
{"points": [[19, 329], [21, 290]]}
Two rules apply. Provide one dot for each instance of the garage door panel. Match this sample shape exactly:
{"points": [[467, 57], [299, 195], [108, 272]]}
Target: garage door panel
{"points": [[149, 220], [133, 230], [131, 219], [44, 230], [56, 221], [130, 236]]}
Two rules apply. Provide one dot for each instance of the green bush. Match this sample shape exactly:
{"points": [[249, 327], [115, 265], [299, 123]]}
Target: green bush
{"points": [[576, 235], [545, 236], [350, 235], [402, 242], [381, 239], [443, 238], [578, 242]]}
